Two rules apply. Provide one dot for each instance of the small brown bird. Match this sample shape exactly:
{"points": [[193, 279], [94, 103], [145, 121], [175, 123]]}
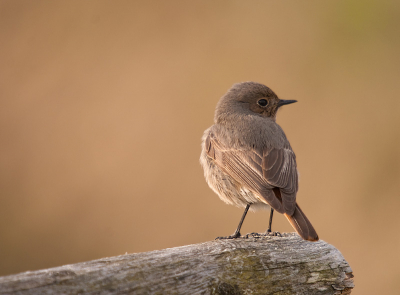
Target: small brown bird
{"points": [[247, 159]]}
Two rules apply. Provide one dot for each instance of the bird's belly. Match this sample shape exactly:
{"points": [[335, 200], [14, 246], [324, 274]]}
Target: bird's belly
{"points": [[227, 188]]}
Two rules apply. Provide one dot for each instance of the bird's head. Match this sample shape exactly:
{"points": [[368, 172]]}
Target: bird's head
{"points": [[249, 98]]}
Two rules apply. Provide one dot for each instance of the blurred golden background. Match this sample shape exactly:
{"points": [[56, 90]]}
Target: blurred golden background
{"points": [[103, 104]]}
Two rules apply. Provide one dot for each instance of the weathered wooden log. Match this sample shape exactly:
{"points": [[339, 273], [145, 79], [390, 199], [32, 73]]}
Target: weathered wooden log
{"points": [[261, 265]]}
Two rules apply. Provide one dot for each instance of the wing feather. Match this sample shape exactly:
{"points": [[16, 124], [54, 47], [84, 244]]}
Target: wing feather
{"points": [[260, 171]]}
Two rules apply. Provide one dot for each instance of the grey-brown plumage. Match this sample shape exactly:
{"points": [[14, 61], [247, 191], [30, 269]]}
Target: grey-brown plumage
{"points": [[247, 159]]}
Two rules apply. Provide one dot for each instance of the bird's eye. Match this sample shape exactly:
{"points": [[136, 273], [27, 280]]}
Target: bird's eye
{"points": [[262, 102]]}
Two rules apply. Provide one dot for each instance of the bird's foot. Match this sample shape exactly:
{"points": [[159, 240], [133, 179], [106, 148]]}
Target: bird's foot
{"points": [[253, 235], [266, 234], [272, 233], [234, 236]]}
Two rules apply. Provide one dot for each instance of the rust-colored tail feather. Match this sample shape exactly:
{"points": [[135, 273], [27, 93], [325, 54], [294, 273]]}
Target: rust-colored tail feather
{"points": [[302, 225]]}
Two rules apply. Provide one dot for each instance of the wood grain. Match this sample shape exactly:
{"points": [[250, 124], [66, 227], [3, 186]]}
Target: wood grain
{"points": [[263, 265]]}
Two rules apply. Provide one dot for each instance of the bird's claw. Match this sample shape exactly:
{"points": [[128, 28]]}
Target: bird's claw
{"points": [[273, 234], [266, 234], [234, 236]]}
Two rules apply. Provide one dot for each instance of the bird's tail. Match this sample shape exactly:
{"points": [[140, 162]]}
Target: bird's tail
{"points": [[302, 225]]}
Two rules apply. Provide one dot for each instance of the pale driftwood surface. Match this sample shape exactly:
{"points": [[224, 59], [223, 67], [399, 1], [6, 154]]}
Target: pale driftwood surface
{"points": [[268, 265]]}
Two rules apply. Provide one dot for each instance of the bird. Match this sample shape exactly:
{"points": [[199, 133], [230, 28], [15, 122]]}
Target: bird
{"points": [[247, 159]]}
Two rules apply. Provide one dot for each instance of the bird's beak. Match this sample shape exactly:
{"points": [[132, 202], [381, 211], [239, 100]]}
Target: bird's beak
{"points": [[283, 102]]}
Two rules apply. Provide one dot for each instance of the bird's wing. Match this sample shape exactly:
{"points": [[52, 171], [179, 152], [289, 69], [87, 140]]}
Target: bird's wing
{"points": [[260, 171]]}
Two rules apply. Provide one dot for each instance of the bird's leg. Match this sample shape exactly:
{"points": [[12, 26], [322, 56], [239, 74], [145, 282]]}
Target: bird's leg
{"points": [[269, 232], [236, 234], [271, 214]]}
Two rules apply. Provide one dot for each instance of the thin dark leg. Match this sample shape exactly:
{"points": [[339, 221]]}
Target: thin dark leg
{"points": [[236, 234], [269, 232], [270, 220]]}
